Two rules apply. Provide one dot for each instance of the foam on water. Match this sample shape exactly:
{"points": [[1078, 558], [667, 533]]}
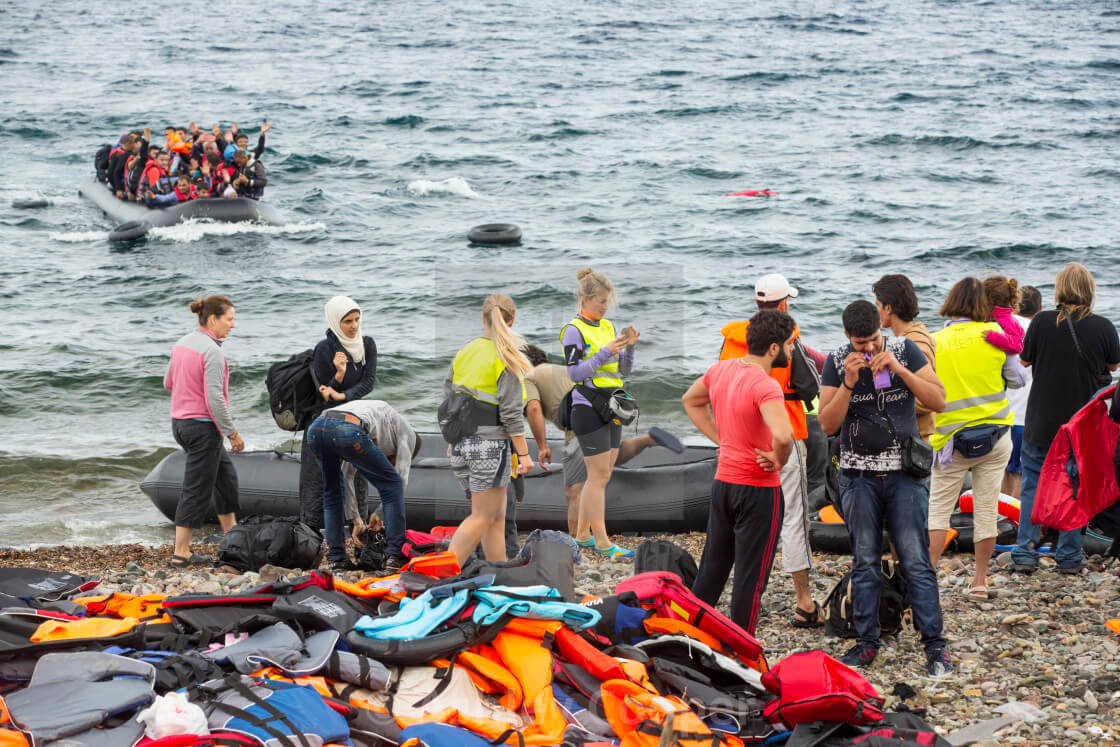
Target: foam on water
{"points": [[194, 230], [453, 185]]}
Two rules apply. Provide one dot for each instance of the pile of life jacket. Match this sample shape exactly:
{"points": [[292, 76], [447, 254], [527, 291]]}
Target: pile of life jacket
{"points": [[495, 653]]}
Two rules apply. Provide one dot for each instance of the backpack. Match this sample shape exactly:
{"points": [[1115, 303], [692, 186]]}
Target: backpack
{"points": [[902, 729], [893, 602], [260, 540], [815, 687], [454, 416], [101, 162], [293, 392], [663, 555], [804, 379]]}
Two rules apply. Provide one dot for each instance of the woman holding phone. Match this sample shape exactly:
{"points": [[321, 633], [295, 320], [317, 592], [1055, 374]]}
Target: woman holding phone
{"points": [[596, 358]]}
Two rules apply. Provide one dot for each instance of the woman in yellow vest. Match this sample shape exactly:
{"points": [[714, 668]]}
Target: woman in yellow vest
{"points": [[491, 370], [596, 358], [973, 433]]}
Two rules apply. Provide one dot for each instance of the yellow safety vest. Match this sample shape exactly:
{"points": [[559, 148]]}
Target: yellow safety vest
{"points": [[476, 370], [972, 372], [594, 339]]}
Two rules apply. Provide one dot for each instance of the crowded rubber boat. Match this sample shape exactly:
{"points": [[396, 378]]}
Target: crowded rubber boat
{"points": [[195, 175]]}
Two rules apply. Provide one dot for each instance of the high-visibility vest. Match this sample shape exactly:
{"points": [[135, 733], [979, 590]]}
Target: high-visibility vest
{"points": [[476, 370], [735, 346], [595, 338], [972, 372]]}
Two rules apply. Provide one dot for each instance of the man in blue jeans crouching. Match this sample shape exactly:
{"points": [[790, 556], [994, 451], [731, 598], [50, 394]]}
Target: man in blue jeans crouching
{"points": [[868, 390], [371, 438]]}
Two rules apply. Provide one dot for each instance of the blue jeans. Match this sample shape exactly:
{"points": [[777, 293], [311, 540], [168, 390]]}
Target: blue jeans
{"points": [[900, 502], [1068, 552], [335, 441]]}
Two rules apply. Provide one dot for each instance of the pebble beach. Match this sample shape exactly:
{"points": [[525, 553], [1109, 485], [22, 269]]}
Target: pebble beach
{"points": [[1035, 665]]}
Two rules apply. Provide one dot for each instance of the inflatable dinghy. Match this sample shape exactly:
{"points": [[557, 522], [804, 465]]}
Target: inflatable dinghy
{"points": [[220, 209], [656, 491]]}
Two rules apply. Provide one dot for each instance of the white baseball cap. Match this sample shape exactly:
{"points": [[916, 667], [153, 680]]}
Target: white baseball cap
{"points": [[773, 287]]}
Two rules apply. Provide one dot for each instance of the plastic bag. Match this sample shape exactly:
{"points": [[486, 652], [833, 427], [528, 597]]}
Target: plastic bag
{"points": [[172, 714], [1023, 711]]}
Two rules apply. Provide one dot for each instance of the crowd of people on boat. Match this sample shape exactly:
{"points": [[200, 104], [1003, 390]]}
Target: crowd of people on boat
{"points": [[191, 164], [911, 414]]}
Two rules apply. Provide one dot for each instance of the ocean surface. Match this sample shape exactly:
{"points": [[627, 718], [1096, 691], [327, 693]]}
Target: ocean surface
{"points": [[939, 139]]}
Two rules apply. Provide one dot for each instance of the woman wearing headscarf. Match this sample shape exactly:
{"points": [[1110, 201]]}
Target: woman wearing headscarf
{"points": [[345, 365]]}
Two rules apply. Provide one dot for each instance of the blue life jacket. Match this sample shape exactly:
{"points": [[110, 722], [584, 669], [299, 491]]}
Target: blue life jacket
{"points": [[532, 602], [416, 618]]}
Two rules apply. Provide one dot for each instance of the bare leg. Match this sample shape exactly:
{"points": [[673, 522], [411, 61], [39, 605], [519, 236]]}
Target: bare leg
{"points": [[592, 499], [984, 550], [487, 510], [1012, 483], [571, 492], [801, 589], [632, 447], [183, 541], [936, 546], [228, 521]]}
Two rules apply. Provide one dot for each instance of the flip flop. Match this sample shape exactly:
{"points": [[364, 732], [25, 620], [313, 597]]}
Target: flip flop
{"points": [[178, 561], [662, 437], [811, 619], [977, 593]]}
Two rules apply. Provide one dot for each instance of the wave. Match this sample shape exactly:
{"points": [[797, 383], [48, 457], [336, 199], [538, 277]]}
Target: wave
{"points": [[1105, 173], [1003, 252], [191, 230], [956, 142], [452, 185], [1103, 65], [766, 78], [408, 120], [563, 133]]}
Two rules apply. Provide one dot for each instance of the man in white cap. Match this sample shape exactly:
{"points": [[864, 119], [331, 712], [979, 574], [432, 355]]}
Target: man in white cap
{"points": [[800, 382]]}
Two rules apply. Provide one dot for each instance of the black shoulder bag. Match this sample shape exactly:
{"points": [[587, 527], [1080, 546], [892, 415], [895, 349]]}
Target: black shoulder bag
{"points": [[1102, 378], [917, 455]]}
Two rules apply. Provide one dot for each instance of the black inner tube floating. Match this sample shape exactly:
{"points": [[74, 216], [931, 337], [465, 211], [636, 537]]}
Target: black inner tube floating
{"points": [[133, 229], [495, 233]]}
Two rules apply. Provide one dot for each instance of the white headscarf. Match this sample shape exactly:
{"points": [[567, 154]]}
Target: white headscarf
{"points": [[337, 308]]}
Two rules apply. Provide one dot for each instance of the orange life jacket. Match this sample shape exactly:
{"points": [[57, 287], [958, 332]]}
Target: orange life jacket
{"points": [[735, 346], [638, 717], [90, 627], [120, 604]]}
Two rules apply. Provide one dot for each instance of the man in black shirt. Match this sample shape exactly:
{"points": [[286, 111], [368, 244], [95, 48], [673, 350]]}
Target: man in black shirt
{"points": [[868, 390], [1071, 352]]}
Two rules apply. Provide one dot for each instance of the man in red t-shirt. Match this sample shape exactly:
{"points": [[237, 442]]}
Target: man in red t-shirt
{"points": [[748, 421]]}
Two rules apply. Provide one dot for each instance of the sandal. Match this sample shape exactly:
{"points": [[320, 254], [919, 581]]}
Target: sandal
{"points": [[807, 619], [178, 561], [614, 552], [978, 593]]}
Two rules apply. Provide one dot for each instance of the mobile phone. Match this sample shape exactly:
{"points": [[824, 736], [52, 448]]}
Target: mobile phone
{"points": [[882, 379]]}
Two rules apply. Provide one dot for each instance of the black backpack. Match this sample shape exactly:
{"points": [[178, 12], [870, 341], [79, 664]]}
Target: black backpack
{"points": [[101, 162], [804, 379], [455, 417], [893, 603], [261, 540], [293, 392], [663, 555]]}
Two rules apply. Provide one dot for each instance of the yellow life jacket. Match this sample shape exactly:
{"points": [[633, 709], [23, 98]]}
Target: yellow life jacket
{"points": [[595, 338], [972, 372]]}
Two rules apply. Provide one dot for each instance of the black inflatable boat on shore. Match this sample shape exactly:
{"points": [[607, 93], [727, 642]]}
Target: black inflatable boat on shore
{"points": [[656, 491], [135, 218]]}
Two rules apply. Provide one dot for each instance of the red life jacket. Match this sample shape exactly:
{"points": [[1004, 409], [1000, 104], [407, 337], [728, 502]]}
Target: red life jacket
{"points": [[1078, 478], [153, 176], [118, 149], [185, 197], [815, 687]]}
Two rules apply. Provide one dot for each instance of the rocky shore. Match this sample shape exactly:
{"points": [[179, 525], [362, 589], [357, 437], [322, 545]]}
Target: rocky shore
{"points": [[1035, 665]]}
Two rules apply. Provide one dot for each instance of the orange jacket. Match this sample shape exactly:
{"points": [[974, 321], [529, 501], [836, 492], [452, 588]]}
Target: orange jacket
{"points": [[735, 346]]}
